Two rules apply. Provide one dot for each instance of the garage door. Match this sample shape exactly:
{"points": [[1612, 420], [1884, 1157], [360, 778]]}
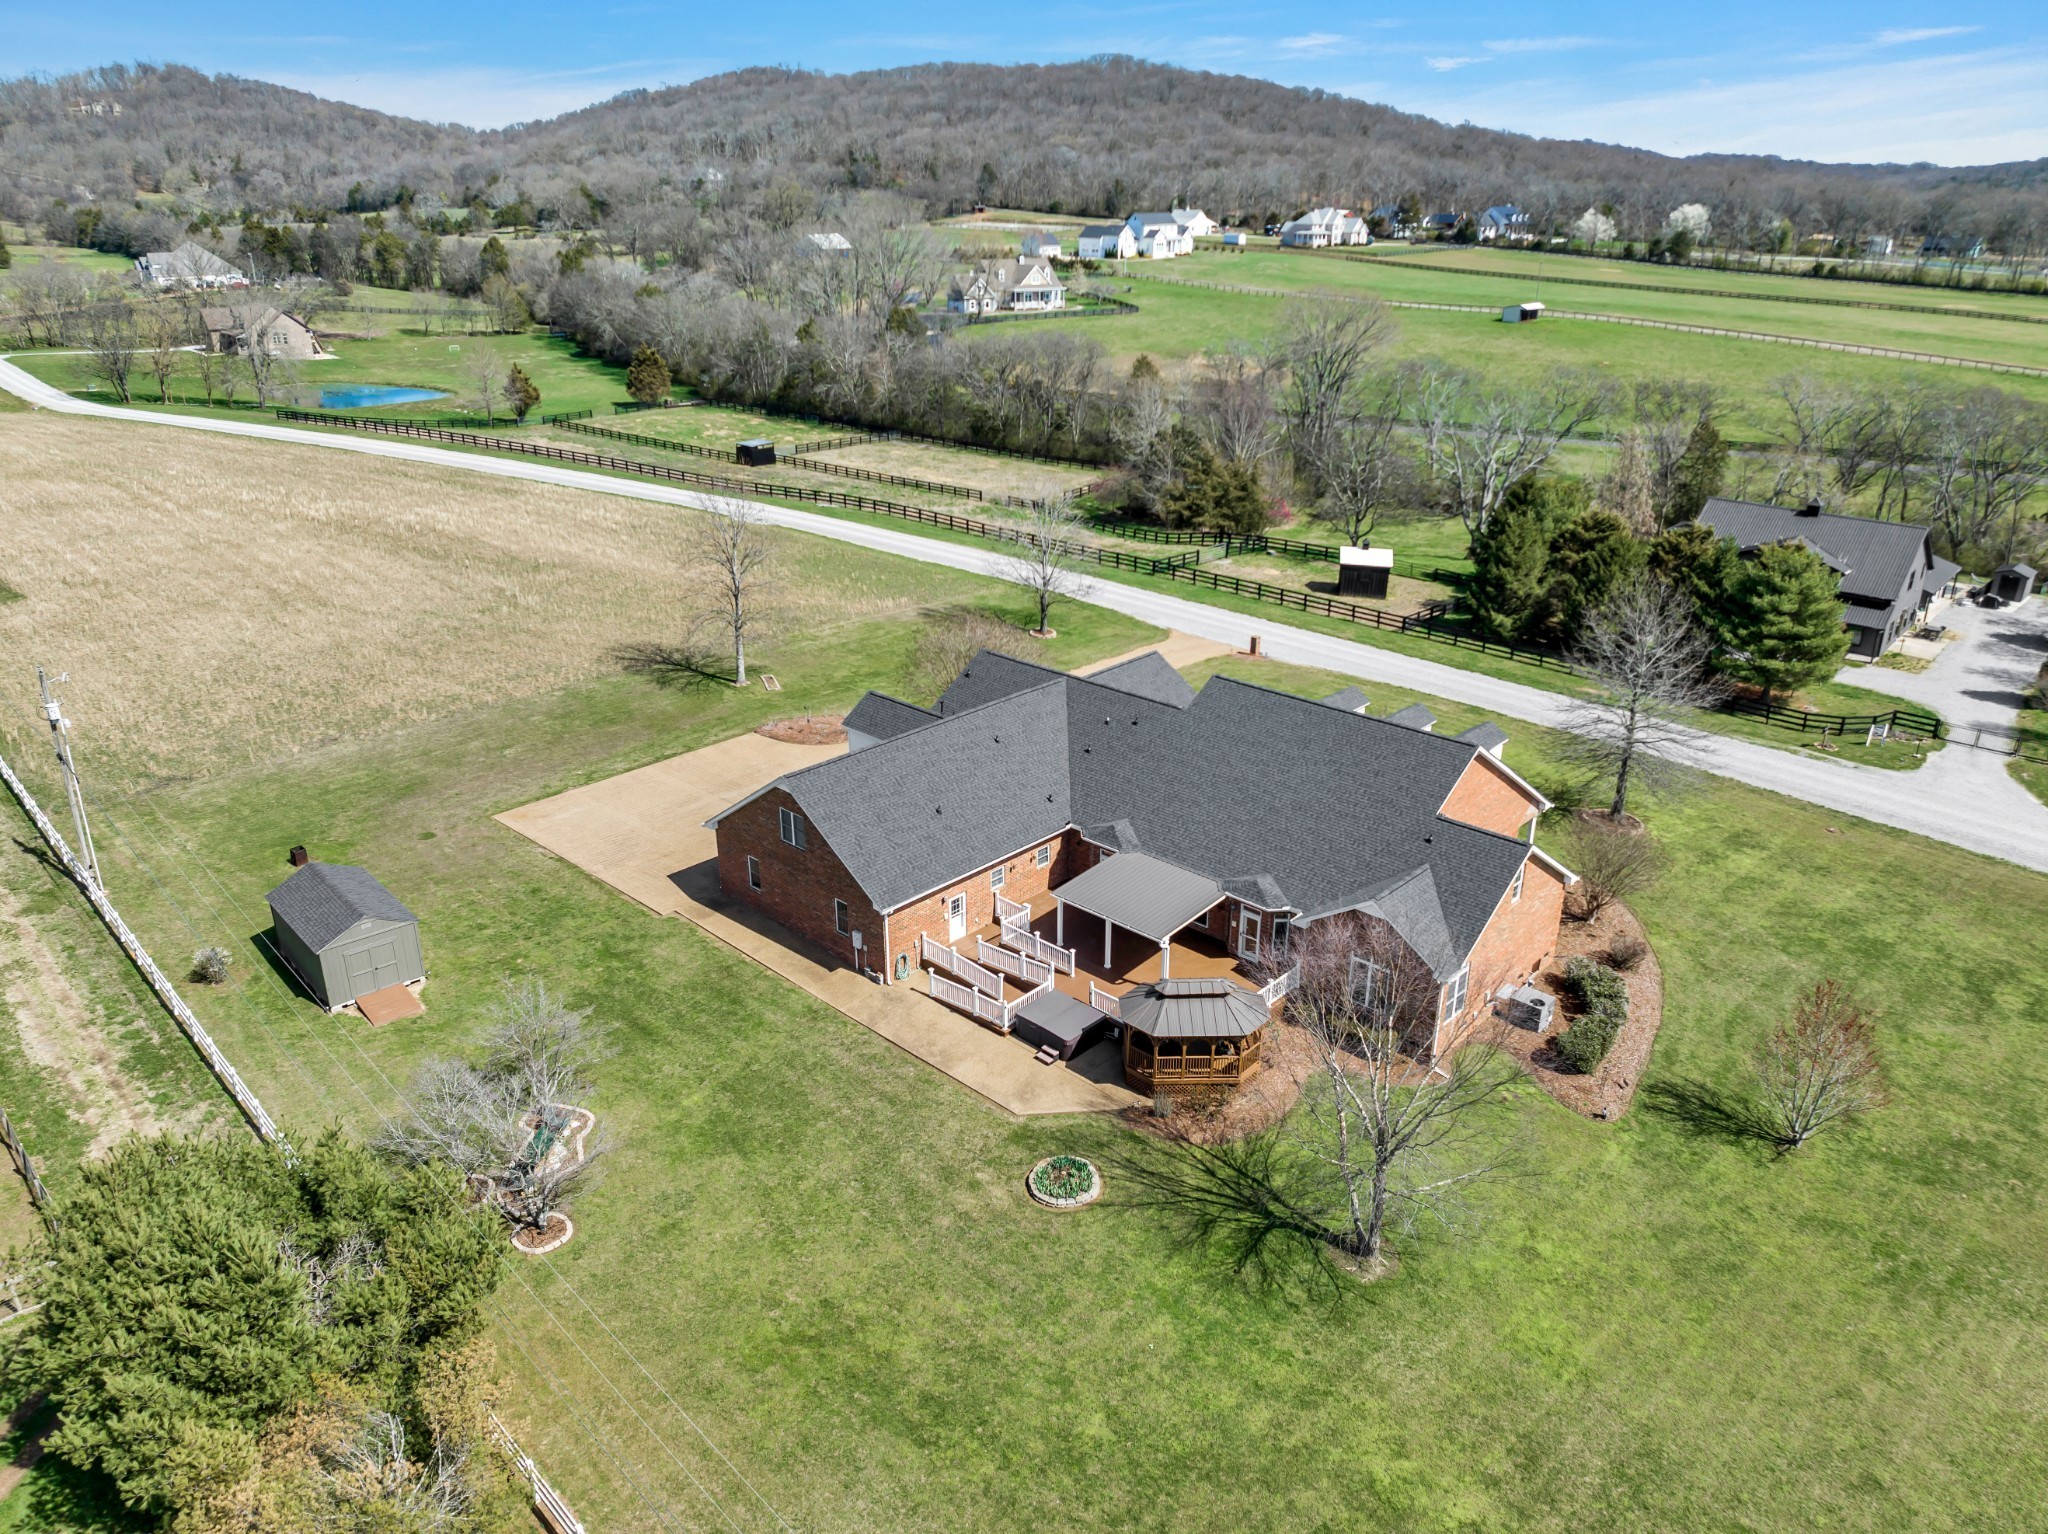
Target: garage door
{"points": [[372, 967]]}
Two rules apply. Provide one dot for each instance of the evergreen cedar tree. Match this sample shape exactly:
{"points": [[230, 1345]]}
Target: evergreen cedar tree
{"points": [[202, 1290], [1545, 560], [647, 377], [6, 255], [1209, 491], [494, 260], [1696, 477], [1784, 620], [520, 392]]}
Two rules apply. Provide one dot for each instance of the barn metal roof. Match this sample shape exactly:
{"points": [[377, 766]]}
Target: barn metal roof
{"points": [[1218, 1008], [1874, 558], [323, 900]]}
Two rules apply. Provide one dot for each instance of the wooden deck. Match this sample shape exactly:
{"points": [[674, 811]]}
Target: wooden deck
{"points": [[1132, 961]]}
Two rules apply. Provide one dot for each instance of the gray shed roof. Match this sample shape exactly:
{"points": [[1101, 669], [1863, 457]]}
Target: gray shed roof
{"points": [[1141, 894], [1351, 699], [1875, 558], [2027, 570], [885, 718], [1415, 717], [1486, 735], [1149, 675], [1194, 1009], [323, 900], [1276, 798]]}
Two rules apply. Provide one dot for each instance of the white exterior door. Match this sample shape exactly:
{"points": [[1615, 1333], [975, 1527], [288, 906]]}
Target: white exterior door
{"points": [[956, 917], [1247, 932]]}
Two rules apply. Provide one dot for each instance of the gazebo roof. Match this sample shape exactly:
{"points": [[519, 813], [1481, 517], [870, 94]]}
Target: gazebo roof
{"points": [[1142, 894], [1216, 1008]]}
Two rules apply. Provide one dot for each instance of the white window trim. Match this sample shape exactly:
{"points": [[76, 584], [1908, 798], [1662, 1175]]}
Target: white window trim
{"points": [[753, 872], [1452, 1006], [842, 917], [1515, 895], [790, 825], [1045, 856], [997, 875], [1368, 979]]}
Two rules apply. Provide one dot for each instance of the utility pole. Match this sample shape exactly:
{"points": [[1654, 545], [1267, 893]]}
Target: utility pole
{"points": [[60, 729]]}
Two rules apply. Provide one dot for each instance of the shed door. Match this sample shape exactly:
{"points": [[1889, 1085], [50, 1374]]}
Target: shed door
{"points": [[372, 967]]}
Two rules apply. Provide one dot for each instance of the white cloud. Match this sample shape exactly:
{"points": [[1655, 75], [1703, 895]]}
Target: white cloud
{"points": [[486, 97], [1539, 44], [1314, 42], [1892, 37], [1444, 66], [1951, 109]]}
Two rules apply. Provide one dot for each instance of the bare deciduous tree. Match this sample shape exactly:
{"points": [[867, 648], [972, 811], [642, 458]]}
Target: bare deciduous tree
{"points": [[1821, 1068], [166, 330], [1364, 469], [1482, 439], [1047, 558], [112, 342], [1328, 348], [1613, 863], [1646, 656], [730, 545], [484, 371]]}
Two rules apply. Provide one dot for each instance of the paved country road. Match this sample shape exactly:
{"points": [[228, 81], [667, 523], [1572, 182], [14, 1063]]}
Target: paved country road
{"points": [[1980, 808]]}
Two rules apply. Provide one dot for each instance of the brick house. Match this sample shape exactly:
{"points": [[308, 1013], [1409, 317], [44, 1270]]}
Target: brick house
{"points": [[1053, 848]]}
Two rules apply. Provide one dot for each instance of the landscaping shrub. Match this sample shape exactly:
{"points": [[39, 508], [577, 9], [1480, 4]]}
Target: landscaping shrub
{"points": [[210, 966], [1626, 952], [1604, 996]]}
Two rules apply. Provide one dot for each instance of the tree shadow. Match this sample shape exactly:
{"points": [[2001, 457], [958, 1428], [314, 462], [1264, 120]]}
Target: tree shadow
{"points": [[1245, 1202], [1709, 1112], [668, 665]]}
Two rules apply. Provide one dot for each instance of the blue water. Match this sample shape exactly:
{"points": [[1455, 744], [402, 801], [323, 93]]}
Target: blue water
{"points": [[362, 396]]}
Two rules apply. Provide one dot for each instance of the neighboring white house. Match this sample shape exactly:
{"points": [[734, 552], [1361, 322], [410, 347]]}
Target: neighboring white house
{"points": [[189, 266], [1390, 214], [1160, 236], [243, 327], [1045, 247], [1325, 226], [1503, 221], [832, 242], [1029, 285], [1878, 245], [1106, 242], [1198, 224]]}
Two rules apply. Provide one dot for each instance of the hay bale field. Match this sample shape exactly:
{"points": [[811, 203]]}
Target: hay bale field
{"points": [[219, 601]]}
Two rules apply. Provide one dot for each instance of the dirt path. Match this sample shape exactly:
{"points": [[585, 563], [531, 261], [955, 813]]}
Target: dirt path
{"points": [[59, 1036], [31, 1449]]}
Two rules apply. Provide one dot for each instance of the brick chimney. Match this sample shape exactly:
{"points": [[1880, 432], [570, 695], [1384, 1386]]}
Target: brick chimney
{"points": [[298, 857]]}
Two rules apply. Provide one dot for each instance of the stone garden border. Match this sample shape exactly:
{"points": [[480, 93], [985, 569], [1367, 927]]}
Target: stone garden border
{"points": [[1080, 1201]]}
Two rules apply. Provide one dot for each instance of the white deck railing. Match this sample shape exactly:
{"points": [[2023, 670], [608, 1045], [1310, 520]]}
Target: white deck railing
{"points": [[1103, 1002], [932, 951], [1028, 971], [1280, 985], [969, 1000], [1008, 910], [1020, 937]]}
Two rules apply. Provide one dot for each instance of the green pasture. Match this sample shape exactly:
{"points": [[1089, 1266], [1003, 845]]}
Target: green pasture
{"points": [[821, 1250]]}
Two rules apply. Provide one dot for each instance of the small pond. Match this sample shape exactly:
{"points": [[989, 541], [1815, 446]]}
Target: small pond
{"points": [[363, 396]]}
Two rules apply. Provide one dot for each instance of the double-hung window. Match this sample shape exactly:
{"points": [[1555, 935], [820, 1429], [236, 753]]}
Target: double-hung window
{"points": [[997, 874], [1520, 874], [791, 825], [1045, 856], [1368, 985], [753, 872], [841, 917], [1454, 996]]}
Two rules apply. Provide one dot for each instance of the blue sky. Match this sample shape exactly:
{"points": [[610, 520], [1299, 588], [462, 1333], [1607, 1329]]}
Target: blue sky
{"points": [[1820, 79]]}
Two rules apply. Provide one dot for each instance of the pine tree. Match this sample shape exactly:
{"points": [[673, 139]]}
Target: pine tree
{"points": [[1697, 476], [1704, 567], [1785, 626], [647, 377], [494, 260], [1590, 559], [521, 394], [1511, 554], [1209, 491]]}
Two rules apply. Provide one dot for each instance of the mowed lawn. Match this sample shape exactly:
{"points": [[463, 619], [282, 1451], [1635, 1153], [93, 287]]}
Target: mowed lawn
{"points": [[821, 1250]]}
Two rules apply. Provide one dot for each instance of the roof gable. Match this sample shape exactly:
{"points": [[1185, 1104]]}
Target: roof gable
{"points": [[1876, 560], [321, 901]]}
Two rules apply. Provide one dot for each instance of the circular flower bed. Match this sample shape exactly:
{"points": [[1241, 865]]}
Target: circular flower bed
{"points": [[1064, 1182]]}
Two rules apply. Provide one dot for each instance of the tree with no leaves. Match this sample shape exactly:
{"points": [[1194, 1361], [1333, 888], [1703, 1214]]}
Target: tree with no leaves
{"points": [[1646, 656], [1481, 439], [1613, 863], [1327, 348], [1046, 562], [730, 544], [112, 342], [1362, 469], [1821, 1068], [166, 329], [484, 370]]}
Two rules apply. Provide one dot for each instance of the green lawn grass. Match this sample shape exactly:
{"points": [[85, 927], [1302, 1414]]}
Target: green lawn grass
{"points": [[2032, 727], [823, 1251]]}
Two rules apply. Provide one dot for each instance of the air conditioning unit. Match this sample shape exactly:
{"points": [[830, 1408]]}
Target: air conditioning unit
{"points": [[1527, 1007]]}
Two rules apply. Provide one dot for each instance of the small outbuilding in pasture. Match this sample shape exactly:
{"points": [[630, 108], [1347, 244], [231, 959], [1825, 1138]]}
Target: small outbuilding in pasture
{"points": [[755, 452], [1521, 314], [1363, 572], [342, 933]]}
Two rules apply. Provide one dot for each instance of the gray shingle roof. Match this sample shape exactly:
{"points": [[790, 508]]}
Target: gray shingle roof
{"points": [[1278, 799], [1415, 717], [1351, 699], [1940, 572], [1486, 735], [1142, 894], [323, 900], [1194, 1009], [885, 718], [1878, 559], [1149, 675]]}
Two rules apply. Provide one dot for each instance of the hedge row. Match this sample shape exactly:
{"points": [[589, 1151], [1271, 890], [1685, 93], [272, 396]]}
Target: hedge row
{"points": [[1604, 995]]}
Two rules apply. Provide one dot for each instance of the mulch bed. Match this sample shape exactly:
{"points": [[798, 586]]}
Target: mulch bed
{"points": [[538, 1243], [1608, 1092], [806, 730]]}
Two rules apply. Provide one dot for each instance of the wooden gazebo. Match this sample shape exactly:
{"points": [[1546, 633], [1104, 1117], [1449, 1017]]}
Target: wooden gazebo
{"points": [[1194, 1039]]}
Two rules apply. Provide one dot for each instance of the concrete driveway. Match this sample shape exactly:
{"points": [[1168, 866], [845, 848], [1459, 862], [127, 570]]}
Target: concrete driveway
{"points": [[643, 833], [1975, 684]]}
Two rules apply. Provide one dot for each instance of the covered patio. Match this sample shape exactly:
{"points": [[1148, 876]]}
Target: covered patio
{"points": [[1142, 899]]}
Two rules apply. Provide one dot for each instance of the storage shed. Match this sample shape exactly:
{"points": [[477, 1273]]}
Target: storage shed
{"points": [[1363, 572], [1520, 314], [755, 452], [344, 934], [2012, 583]]}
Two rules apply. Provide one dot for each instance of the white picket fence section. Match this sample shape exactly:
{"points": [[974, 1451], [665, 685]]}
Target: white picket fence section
{"points": [[1280, 985], [932, 951], [1028, 971], [1024, 940], [158, 980], [1103, 1002], [546, 1499]]}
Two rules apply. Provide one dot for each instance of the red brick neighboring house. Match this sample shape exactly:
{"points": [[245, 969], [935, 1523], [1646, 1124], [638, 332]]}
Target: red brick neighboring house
{"points": [[1252, 814]]}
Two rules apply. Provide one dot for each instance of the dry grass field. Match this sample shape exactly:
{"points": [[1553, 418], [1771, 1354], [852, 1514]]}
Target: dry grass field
{"points": [[218, 603], [991, 473]]}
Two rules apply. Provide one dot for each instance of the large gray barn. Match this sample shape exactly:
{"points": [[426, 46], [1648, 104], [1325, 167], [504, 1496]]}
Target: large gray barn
{"points": [[345, 934]]}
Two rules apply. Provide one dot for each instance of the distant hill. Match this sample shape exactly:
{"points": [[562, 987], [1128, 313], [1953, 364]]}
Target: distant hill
{"points": [[1102, 136]]}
